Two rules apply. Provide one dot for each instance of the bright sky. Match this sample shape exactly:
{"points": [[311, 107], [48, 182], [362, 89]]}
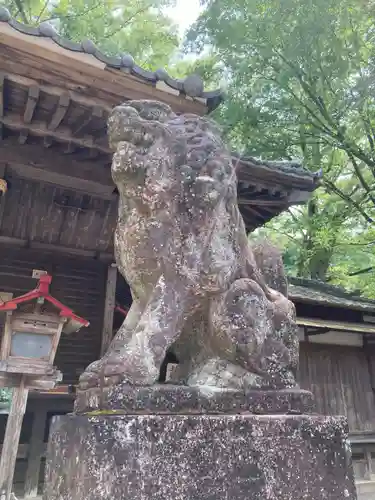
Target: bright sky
{"points": [[185, 13]]}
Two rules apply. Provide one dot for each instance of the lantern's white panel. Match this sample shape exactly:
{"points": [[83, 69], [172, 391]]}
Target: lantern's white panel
{"points": [[31, 345]]}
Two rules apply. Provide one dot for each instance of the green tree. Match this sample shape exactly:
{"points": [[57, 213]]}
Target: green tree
{"points": [[301, 86], [5, 399]]}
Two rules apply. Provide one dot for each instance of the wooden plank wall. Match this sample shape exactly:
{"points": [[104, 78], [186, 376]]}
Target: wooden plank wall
{"points": [[339, 377], [78, 283]]}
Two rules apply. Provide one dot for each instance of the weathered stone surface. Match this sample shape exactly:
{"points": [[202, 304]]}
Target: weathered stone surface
{"points": [[162, 399], [269, 260], [199, 457], [181, 245]]}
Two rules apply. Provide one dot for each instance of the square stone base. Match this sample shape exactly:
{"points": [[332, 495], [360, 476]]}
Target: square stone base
{"points": [[199, 457]]}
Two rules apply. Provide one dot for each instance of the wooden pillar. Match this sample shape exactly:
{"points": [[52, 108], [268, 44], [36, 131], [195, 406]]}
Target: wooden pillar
{"points": [[2, 195], [11, 440], [369, 348], [36, 451], [368, 459], [109, 308]]}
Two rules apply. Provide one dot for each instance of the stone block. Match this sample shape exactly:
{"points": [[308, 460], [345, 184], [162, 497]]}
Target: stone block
{"points": [[165, 398], [107, 455]]}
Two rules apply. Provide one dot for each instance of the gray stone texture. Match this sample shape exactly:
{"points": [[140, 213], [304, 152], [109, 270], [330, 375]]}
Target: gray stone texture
{"points": [[181, 244], [164, 398], [198, 457]]}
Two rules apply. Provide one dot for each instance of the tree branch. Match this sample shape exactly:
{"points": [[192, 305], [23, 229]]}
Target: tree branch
{"points": [[361, 179], [21, 11], [43, 10], [362, 271], [125, 23], [74, 16], [346, 198]]}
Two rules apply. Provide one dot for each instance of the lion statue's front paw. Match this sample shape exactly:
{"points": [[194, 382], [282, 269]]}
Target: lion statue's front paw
{"points": [[118, 368]]}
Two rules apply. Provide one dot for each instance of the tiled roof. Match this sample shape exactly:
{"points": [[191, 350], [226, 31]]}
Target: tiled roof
{"points": [[191, 86], [317, 292], [285, 170]]}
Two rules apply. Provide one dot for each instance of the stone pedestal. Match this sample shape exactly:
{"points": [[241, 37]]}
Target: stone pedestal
{"points": [[177, 452]]}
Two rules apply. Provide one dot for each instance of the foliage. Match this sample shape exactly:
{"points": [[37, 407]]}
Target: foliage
{"points": [[5, 396], [137, 27], [301, 86]]}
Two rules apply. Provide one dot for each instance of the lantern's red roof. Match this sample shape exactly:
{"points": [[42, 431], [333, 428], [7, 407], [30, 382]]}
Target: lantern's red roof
{"points": [[42, 291]]}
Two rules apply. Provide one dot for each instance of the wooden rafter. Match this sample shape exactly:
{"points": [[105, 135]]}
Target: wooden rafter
{"points": [[251, 211], [57, 92], [53, 129], [40, 129], [86, 119], [31, 103], [60, 112]]}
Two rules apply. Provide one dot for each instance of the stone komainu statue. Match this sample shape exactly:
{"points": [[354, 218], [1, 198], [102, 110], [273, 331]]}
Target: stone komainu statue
{"points": [[197, 285]]}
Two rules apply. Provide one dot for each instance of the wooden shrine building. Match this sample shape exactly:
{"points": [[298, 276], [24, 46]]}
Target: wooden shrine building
{"points": [[58, 204], [337, 363]]}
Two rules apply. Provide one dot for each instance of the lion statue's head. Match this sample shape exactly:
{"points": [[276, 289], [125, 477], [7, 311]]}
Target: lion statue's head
{"points": [[146, 135]]}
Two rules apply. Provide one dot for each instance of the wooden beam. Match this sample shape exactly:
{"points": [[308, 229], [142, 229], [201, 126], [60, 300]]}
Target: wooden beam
{"points": [[60, 112], [62, 180], [47, 247], [109, 308], [33, 162], [51, 90], [336, 325], [32, 101], [85, 120], [64, 135], [36, 451]]}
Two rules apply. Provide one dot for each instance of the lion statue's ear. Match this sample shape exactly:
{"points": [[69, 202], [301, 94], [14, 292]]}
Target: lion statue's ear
{"points": [[270, 262]]}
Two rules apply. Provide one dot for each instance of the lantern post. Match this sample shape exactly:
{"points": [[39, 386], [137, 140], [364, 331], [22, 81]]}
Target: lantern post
{"points": [[33, 327]]}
